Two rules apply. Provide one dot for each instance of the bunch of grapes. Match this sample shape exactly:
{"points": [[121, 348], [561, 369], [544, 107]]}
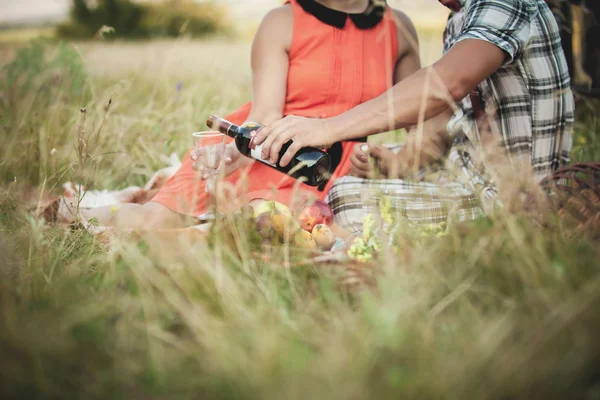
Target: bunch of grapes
{"points": [[359, 251], [388, 228], [364, 249]]}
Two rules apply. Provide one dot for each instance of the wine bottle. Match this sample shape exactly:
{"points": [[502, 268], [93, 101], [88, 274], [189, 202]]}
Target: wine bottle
{"points": [[309, 163]]}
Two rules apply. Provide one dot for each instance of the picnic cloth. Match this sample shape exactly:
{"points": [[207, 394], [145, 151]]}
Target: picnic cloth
{"points": [[76, 196]]}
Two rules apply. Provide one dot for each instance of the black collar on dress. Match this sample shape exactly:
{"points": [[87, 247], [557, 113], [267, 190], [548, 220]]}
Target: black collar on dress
{"points": [[366, 20]]}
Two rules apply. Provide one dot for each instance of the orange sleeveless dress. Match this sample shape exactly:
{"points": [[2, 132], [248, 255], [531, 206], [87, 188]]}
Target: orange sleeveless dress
{"points": [[337, 61]]}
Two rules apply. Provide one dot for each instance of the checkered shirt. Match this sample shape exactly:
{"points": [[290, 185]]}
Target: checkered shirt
{"points": [[528, 100], [529, 97]]}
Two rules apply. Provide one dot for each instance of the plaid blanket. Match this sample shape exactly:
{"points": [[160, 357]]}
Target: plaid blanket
{"points": [[457, 191]]}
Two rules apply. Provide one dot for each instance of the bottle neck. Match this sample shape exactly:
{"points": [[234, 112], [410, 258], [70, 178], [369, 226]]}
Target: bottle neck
{"points": [[223, 126]]}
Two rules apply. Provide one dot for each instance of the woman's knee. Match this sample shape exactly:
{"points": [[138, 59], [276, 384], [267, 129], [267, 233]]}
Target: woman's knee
{"points": [[155, 215]]}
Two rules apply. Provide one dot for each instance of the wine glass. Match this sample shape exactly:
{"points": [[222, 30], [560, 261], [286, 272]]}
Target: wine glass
{"points": [[213, 143]]}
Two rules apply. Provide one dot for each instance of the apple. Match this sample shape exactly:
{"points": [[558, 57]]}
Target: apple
{"points": [[314, 214]]}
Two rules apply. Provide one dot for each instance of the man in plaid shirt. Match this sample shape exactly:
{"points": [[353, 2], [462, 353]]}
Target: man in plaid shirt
{"points": [[506, 51]]}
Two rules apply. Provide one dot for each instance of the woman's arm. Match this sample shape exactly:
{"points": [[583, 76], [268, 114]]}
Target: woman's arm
{"points": [[409, 60], [270, 64]]}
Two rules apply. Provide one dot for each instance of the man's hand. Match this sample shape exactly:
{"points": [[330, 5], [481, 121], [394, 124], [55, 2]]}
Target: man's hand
{"points": [[303, 132], [387, 163], [232, 160]]}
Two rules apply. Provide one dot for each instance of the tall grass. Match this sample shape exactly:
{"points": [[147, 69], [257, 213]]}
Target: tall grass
{"points": [[500, 308]]}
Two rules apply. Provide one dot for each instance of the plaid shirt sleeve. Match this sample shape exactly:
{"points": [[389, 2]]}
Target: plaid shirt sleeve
{"points": [[503, 23]]}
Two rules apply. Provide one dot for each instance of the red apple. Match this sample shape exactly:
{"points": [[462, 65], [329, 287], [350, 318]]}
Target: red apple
{"points": [[314, 214]]}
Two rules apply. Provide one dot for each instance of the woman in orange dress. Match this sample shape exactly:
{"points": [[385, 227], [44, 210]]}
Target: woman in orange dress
{"points": [[312, 58]]}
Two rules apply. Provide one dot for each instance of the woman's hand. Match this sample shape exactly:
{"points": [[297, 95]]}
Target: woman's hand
{"points": [[359, 161], [303, 132], [232, 160]]}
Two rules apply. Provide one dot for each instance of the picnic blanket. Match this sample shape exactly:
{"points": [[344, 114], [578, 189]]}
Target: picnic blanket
{"points": [[75, 195]]}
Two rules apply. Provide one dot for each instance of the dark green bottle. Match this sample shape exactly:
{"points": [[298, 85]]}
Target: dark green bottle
{"points": [[311, 165]]}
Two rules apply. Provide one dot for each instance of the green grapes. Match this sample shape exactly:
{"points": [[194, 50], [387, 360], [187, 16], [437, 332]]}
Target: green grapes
{"points": [[369, 226], [374, 243], [385, 209], [365, 249], [360, 251]]}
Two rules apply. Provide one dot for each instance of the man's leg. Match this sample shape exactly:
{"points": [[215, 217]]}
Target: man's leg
{"points": [[422, 203]]}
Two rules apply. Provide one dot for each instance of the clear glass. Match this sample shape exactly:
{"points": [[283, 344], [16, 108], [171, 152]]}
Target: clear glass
{"points": [[352, 237], [213, 144]]}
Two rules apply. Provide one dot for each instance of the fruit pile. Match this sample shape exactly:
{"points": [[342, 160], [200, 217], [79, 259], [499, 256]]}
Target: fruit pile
{"points": [[307, 229]]}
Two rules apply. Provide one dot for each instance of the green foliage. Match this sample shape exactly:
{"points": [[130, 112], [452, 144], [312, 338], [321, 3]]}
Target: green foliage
{"points": [[40, 80], [189, 19], [497, 310], [46, 69], [122, 15], [586, 142], [132, 20]]}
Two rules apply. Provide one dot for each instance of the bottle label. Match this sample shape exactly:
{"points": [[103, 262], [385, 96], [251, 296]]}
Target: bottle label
{"points": [[256, 153]]}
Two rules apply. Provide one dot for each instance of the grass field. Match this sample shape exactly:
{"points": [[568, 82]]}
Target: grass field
{"points": [[498, 309]]}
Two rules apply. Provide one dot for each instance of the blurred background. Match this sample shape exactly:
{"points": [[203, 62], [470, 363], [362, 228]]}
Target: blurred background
{"points": [[82, 19], [151, 19], [15, 12]]}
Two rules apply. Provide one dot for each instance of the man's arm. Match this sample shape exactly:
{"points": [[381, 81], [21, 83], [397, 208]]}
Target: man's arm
{"points": [[424, 95], [425, 144]]}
